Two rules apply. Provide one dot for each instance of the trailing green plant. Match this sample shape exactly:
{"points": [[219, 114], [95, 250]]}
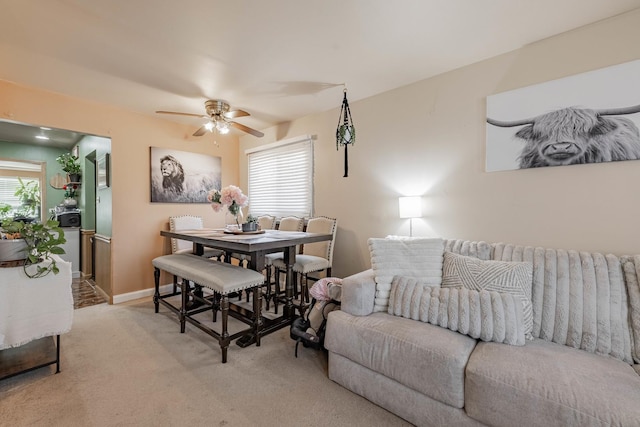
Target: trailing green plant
{"points": [[5, 209], [29, 195], [69, 163], [43, 240]]}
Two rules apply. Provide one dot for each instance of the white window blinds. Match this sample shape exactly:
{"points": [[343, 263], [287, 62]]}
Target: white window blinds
{"points": [[8, 187], [281, 178]]}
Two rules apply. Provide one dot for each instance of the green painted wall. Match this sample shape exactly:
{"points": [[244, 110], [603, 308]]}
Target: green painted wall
{"points": [[96, 202]]}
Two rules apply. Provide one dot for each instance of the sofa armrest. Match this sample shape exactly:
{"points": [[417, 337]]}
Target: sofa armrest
{"points": [[358, 293]]}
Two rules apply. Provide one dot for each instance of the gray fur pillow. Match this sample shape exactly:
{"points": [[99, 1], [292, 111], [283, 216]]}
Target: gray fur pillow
{"points": [[515, 278], [485, 315]]}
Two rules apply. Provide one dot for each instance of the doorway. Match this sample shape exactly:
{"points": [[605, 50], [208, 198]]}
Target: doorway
{"points": [[41, 144]]}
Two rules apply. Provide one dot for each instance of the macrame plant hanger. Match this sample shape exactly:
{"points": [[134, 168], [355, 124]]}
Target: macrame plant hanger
{"points": [[346, 132]]}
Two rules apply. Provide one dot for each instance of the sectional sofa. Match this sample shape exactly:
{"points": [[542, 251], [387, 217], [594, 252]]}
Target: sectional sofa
{"points": [[414, 338]]}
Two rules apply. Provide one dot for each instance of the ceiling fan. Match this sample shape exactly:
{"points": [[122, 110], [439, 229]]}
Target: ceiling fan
{"points": [[219, 118]]}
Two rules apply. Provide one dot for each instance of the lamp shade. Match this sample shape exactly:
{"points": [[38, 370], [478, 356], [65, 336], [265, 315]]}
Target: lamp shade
{"points": [[410, 207]]}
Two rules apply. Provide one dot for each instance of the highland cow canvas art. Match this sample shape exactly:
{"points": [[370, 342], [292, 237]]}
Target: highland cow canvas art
{"points": [[183, 177], [592, 117]]}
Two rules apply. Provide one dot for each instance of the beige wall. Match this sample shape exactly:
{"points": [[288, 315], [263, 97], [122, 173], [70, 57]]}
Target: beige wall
{"points": [[429, 138], [136, 221], [426, 138]]}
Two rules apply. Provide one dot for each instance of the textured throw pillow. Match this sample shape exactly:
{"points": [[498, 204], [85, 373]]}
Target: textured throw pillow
{"points": [[515, 278], [420, 258], [485, 315]]}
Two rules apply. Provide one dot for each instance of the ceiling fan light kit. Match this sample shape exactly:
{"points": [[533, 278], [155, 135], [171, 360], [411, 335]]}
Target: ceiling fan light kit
{"points": [[346, 132], [218, 118]]}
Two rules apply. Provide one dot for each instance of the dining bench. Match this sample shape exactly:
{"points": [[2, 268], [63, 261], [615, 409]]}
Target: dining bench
{"points": [[223, 279]]}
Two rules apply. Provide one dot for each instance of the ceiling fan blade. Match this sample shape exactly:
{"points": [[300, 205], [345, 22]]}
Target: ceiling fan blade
{"points": [[247, 129], [200, 131], [182, 114], [235, 113]]}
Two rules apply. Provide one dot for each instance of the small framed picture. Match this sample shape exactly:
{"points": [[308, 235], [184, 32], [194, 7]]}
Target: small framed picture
{"points": [[103, 171]]}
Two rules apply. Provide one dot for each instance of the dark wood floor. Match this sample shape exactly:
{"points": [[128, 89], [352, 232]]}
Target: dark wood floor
{"points": [[85, 294]]}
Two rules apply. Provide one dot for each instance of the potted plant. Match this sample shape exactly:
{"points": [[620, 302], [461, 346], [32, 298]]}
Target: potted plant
{"points": [[70, 165], [5, 209], [29, 195], [251, 224], [34, 243]]}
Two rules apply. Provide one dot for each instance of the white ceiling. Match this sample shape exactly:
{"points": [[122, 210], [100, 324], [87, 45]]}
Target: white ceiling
{"points": [[277, 59]]}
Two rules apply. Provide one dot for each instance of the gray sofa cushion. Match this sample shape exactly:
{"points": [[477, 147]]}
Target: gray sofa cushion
{"points": [[423, 357], [546, 384], [486, 315], [579, 298]]}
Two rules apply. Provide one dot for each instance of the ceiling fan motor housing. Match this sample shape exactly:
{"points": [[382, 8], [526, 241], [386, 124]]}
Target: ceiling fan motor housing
{"points": [[216, 107]]}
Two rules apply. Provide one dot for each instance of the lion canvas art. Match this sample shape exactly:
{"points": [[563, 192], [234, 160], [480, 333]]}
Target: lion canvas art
{"points": [[183, 177]]}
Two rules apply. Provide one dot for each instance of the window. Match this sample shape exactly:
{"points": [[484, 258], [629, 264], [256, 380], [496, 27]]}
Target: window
{"points": [[8, 188], [281, 178]]}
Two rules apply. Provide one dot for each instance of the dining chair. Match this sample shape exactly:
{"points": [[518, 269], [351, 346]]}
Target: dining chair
{"points": [[289, 223], [315, 257], [178, 246], [265, 222]]}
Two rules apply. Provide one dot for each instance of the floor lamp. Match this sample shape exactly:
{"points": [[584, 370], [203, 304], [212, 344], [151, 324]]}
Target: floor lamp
{"points": [[410, 207]]}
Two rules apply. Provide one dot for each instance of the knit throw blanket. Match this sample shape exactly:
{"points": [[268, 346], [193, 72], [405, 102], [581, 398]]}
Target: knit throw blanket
{"points": [[485, 315]]}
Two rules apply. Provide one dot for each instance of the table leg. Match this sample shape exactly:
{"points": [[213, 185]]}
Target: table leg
{"points": [[289, 260], [184, 287], [257, 313]]}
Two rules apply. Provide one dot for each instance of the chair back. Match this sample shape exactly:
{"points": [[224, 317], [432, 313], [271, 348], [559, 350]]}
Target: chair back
{"points": [[291, 223], [184, 222], [267, 222], [324, 225]]}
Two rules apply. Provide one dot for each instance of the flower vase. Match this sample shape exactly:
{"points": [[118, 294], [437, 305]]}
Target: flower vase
{"points": [[234, 221]]}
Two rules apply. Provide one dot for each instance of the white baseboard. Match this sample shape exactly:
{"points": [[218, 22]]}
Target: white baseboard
{"points": [[117, 299]]}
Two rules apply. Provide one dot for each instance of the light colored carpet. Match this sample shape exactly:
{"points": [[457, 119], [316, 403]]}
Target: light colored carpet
{"points": [[124, 365]]}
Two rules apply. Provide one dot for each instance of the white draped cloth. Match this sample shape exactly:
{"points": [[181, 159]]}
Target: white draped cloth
{"points": [[34, 308]]}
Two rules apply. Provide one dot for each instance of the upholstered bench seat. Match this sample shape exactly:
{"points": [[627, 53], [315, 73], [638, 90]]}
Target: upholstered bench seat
{"points": [[223, 279], [218, 276]]}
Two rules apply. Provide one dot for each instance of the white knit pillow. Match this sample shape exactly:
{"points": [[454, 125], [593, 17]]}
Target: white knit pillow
{"points": [[485, 315], [420, 258], [515, 278]]}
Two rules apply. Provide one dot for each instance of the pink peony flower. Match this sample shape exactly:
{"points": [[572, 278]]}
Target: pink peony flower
{"points": [[230, 197]]}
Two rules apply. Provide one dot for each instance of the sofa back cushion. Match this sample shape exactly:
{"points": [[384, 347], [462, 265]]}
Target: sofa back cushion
{"points": [[579, 298], [417, 257], [631, 269], [481, 250]]}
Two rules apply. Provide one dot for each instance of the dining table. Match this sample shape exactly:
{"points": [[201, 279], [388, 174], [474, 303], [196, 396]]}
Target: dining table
{"points": [[256, 245]]}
